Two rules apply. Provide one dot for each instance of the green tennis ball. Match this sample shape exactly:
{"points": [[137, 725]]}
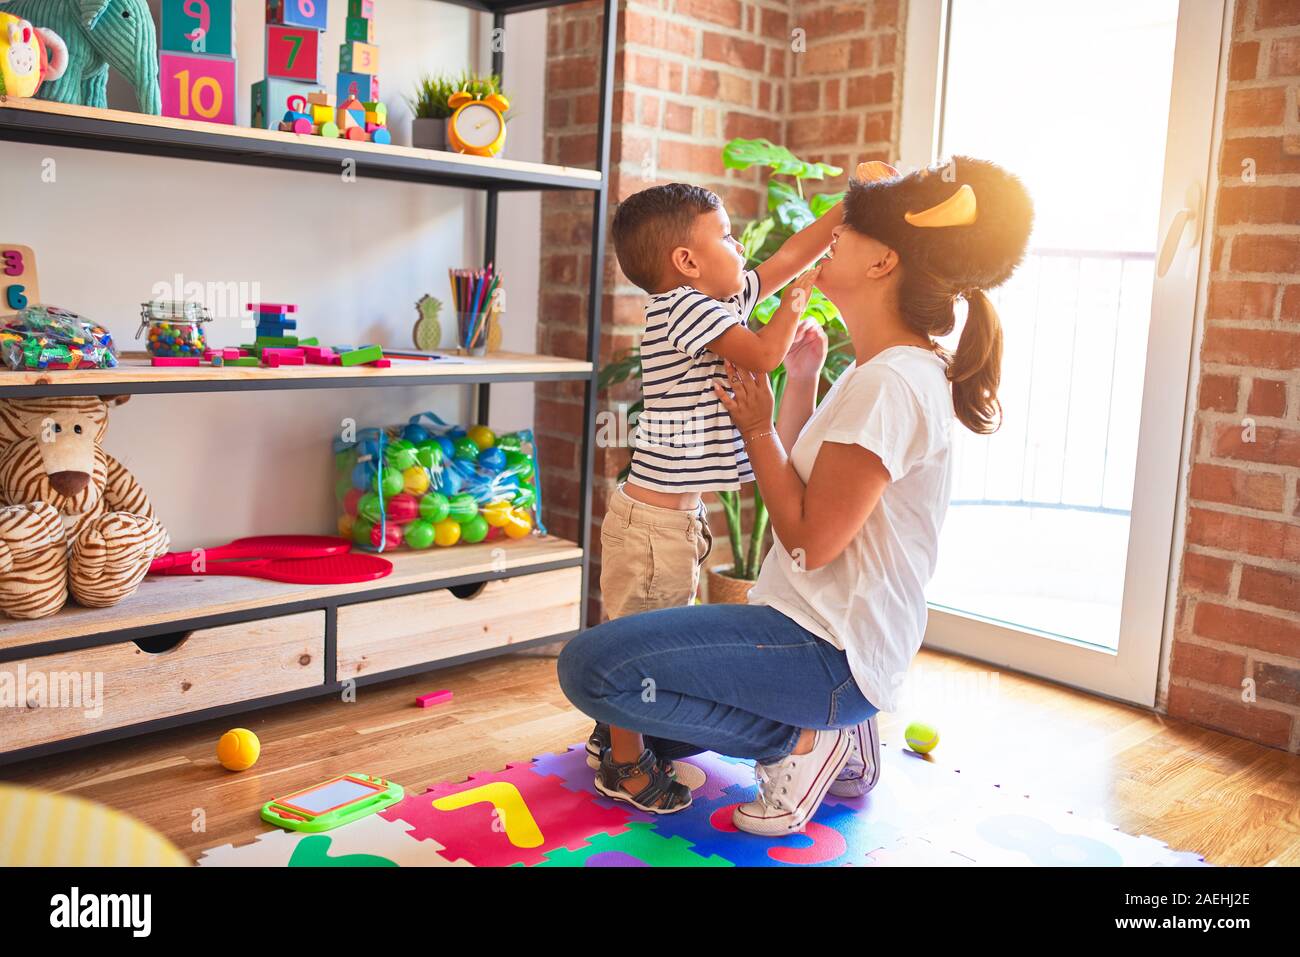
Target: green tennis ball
{"points": [[475, 530], [434, 507], [921, 737], [419, 534]]}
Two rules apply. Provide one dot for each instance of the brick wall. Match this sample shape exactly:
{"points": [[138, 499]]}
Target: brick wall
{"points": [[689, 76], [1238, 612]]}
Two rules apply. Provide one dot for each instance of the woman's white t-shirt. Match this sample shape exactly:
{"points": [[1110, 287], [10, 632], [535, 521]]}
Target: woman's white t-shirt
{"points": [[870, 600]]}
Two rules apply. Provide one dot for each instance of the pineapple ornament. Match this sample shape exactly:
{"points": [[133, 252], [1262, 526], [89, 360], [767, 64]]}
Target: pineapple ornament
{"points": [[428, 331]]}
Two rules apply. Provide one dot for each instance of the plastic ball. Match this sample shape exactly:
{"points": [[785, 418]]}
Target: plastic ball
{"points": [[495, 532], [521, 523], [525, 496], [448, 447], [343, 486], [238, 749], [510, 442], [492, 459], [415, 481], [466, 449], [361, 474], [415, 433], [419, 534], [463, 507], [446, 532], [434, 507], [475, 530], [450, 482], [429, 454], [386, 536], [368, 507], [921, 737], [520, 464], [403, 508], [352, 499], [456, 432], [483, 437], [361, 531], [345, 525], [497, 514], [400, 455], [345, 459], [391, 480], [368, 447]]}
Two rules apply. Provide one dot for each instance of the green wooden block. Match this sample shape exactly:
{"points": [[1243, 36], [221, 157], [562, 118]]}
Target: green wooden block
{"points": [[276, 342], [359, 28], [313, 341], [244, 361], [359, 357]]}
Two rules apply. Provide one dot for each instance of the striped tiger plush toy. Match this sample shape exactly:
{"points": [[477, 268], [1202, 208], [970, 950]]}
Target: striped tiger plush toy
{"points": [[72, 518]]}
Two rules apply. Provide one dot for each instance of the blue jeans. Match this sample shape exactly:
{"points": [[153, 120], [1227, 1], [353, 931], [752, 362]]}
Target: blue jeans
{"points": [[742, 680]]}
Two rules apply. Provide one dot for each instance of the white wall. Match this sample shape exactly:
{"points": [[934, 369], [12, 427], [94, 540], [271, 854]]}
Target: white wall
{"points": [[354, 257]]}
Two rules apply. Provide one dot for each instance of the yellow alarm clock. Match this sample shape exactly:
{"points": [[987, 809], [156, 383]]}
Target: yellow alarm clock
{"points": [[478, 126]]}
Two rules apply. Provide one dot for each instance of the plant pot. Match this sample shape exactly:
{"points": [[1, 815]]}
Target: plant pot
{"points": [[429, 134], [725, 590]]}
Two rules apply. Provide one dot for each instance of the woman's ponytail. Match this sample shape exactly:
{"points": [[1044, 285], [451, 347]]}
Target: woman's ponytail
{"points": [[975, 369]]}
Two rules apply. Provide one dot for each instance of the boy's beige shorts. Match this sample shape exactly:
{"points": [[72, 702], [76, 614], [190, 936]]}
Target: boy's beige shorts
{"points": [[650, 556]]}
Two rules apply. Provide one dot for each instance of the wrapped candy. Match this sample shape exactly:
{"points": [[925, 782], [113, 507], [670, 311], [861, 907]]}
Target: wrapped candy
{"points": [[47, 337], [428, 483]]}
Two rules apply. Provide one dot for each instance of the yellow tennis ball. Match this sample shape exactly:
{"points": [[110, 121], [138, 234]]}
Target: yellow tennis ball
{"points": [[921, 737], [238, 749]]}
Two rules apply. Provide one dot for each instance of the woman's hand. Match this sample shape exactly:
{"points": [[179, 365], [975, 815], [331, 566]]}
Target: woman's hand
{"points": [[807, 352], [750, 407]]}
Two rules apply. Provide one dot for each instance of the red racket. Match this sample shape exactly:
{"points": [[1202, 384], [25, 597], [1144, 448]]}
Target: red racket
{"points": [[258, 546], [329, 570]]}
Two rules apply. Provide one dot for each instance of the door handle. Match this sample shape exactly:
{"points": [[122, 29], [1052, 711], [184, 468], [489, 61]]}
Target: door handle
{"points": [[1189, 215]]}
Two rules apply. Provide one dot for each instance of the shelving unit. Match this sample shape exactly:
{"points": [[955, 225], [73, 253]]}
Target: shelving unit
{"points": [[178, 651]]}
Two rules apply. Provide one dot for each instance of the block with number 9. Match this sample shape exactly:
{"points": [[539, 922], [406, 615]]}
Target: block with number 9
{"points": [[198, 26]]}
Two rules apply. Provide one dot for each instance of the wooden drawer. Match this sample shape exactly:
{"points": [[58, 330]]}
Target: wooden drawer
{"points": [[379, 636], [209, 667]]}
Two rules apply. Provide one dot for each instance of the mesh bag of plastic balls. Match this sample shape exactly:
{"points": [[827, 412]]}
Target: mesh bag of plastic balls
{"points": [[429, 484], [47, 337]]}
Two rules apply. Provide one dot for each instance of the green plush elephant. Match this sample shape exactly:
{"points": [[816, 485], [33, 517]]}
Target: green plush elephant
{"points": [[99, 34]]}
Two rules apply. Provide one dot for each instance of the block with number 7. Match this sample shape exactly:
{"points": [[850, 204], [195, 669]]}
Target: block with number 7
{"points": [[293, 53]]}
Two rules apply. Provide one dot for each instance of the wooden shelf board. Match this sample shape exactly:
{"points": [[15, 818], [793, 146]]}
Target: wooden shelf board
{"points": [[61, 124], [165, 600], [134, 374]]}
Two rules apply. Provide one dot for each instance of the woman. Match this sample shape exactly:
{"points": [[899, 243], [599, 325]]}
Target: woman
{"points": [[856, 487]]}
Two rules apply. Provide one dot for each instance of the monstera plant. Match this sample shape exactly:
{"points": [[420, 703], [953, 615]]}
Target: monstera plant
{"points": [[788, 211]]}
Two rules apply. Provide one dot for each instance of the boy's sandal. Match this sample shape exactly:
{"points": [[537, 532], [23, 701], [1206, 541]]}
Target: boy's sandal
{"points": [[661, 795]]}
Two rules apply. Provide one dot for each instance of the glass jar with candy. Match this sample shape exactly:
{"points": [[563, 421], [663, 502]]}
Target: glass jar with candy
{"points": [[174, 328]]}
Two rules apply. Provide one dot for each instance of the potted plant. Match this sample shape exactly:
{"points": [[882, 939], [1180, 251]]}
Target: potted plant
{"points": [[788, 212], [429, 107]]}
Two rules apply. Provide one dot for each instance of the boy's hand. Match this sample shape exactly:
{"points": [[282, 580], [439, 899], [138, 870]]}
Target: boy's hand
{"points": [[799, 292], [750, 407], [807, 353]]}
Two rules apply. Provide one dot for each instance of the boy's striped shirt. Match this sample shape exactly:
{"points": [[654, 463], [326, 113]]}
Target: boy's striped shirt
{"points": [[684, 439]]}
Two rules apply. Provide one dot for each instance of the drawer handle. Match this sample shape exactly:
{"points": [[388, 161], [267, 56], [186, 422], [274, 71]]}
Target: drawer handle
{"points": [[467, 591], [161, 644]]}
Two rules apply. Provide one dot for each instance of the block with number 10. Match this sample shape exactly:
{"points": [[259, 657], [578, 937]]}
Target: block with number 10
{"points": [[197, 87]]}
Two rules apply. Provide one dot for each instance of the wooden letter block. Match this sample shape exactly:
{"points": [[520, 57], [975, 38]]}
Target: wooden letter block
{"points": [[197, 88], [362, 86], [293, 53], [356, 57], [359, 28], [297, 13], [205, 27]]}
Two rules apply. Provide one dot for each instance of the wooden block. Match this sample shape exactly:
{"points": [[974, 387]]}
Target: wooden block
{"points": [[363, 86], [361, 356], [205, 27], [312, 341], [319, 98], [380, 364], [436, 697], [197, 88], [359, 28], [361, 8], [357, 57], [274, 342], [18, 286], [271, 101], [293, 53], [322, 114], [298, 13], [381, 135], [273, 307], [284, 352], [275, 360], [357, 134], [175, 361], [244, 361]]}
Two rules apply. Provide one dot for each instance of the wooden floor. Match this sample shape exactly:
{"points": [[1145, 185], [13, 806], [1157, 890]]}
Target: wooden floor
{"points": [[1235, 802]]}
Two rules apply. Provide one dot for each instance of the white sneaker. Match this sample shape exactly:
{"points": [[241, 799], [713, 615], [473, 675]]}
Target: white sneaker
{"points": [[862, 769], [791, 790]]}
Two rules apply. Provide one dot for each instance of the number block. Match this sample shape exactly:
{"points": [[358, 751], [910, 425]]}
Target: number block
{"points": [[205, 27], [361, 8], [357, 57], [18, 287], [197, 88], [359, 28], [366, 86], [297, 13], [293, 53], [270, 101]]}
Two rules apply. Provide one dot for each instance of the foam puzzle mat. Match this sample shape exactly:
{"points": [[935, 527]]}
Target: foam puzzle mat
{"points": [[545, 813]]}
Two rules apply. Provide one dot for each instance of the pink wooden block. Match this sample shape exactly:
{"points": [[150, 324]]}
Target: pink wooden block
{"points": [[231, 353], [380, 364], [176, 360], [271, 307], [285, 351], [275, 361], [429, 700]]}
